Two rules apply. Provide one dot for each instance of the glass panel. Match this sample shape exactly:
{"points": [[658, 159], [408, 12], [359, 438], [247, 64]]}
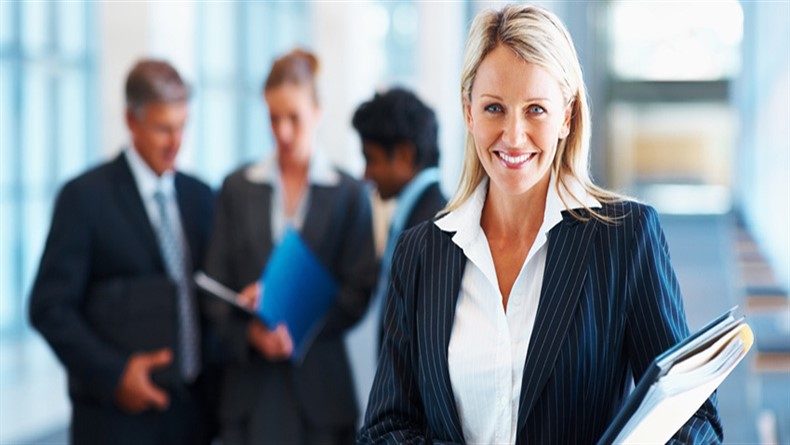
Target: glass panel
{"points": [[259, 134], [8, 258], [401, 41], [405, 23], [675, 40], [35, 26], [292, 25], [36, 118], [71, 123], [258, 55], [219, 56], [7, 10], [37, 214], [219, 138], [8, 126], [375, 26], [71, 28]]}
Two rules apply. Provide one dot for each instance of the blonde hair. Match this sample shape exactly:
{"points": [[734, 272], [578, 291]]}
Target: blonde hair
{"points": [[297, 67], [537, 36]]}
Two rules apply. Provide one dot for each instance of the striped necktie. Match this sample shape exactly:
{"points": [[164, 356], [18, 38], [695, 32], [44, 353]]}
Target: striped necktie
{"points": [[174, 252]]}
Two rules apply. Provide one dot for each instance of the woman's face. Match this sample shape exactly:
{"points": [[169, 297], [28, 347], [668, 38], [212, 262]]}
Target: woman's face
{"points": [[516, 116], [294, 118]]}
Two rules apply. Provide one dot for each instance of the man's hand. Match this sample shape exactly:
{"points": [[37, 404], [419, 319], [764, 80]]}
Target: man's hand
{"points": [[136, 392], [274, 345]]}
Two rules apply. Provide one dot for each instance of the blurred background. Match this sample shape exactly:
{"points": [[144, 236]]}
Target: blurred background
{"points": [[690, 106]]}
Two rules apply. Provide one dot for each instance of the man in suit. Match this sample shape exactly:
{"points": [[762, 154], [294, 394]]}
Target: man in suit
{"points": [[113, 294], [399, 140]]}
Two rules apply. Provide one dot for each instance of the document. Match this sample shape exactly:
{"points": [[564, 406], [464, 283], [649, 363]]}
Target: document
{"points": [[296, 289], [219, 290], [679, 381]]}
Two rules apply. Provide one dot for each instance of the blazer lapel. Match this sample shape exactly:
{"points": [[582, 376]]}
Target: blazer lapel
{"points": [[566, 264], [319, 209], [189, 212], [444, 263], [259, 224], [132, 204]]}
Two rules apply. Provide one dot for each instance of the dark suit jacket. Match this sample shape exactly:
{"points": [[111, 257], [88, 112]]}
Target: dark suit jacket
{"points": [[102, 245], [610, 303], [272, 398], [427, 206], [430, 202]]}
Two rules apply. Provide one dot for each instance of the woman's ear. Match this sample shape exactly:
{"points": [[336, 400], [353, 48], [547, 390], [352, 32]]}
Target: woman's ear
{"points": [[468, 115], [565, 130]]}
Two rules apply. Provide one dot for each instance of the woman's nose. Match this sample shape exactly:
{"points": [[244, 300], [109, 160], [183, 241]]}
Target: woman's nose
{"points": [[514, 133], [283, 131]]}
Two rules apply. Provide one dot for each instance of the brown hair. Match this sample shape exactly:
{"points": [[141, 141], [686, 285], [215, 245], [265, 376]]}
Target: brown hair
{"points": [[298, 67], [154, 81]]}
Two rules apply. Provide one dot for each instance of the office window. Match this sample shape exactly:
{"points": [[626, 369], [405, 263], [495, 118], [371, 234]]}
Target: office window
{"points": [[47, 64], [237, 43], [401, 28], [675, 40], [671, 128]]}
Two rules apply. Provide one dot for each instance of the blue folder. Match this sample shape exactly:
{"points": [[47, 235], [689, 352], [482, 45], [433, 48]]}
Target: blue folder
{"points": [[298, 290]]}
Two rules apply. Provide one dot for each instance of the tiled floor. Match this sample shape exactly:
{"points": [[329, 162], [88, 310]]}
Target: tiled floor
{"points": [[34, 409]]}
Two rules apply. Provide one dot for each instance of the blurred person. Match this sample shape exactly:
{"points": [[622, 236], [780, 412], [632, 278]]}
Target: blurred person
{"points": [[114, 280], [399, 136], [520, 315], [265, 396]]}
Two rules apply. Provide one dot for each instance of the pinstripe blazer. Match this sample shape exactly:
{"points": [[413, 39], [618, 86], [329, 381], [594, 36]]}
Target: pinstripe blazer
{"points": [[610, 303]]}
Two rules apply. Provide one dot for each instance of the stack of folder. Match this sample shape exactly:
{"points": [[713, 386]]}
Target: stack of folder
{"points": [[679, 381]]}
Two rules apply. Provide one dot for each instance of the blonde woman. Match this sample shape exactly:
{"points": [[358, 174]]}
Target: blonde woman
{"points": [[520, 315]]}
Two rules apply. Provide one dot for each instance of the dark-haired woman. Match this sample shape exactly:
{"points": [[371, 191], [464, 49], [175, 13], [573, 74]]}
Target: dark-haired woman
{"points": [[266, 398]]}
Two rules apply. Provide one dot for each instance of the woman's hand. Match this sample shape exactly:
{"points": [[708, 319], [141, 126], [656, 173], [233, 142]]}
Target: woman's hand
{"points": [[275, 345], [250, 296]]}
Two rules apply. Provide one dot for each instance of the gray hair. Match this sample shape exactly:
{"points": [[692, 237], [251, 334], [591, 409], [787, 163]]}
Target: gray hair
{"points": [[154, 81]]}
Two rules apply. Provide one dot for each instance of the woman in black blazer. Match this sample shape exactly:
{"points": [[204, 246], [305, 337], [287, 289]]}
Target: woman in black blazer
{"points": [[265, 398], [521, 314]]}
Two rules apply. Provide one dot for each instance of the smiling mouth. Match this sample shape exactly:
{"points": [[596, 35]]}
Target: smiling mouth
{"points": [[515, 161]]}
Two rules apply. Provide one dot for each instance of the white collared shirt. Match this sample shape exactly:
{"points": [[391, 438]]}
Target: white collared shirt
{"points": [[488, 346], [148, 183], [267, 171]]}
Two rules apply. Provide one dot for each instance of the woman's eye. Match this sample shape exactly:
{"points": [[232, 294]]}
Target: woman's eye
{"points": [[493, 108], [536, 109]]}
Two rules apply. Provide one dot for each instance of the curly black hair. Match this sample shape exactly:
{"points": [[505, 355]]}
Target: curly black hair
{"points": [[398, 116]]}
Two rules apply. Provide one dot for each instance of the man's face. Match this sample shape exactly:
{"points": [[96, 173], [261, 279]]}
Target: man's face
{"points": [[157, 130], [392, 172]]}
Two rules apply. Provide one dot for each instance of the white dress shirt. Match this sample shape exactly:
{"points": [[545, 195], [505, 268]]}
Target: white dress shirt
{"points": [[320, 172], [148, 183], [488, 345]]}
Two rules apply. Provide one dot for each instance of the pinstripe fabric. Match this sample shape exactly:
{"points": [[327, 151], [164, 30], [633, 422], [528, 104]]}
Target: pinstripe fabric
{"points": [[610, 303]]}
